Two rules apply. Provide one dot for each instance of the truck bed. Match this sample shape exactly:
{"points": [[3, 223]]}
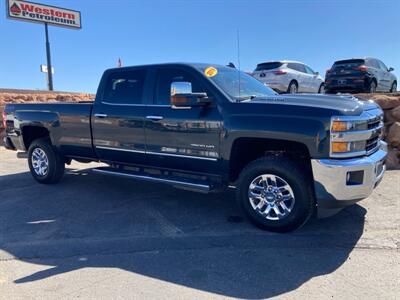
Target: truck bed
{"points": [[68, 123]]}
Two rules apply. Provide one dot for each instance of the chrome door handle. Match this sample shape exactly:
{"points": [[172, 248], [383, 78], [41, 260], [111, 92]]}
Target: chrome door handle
{"points": [[100, 115], [155, 118]]}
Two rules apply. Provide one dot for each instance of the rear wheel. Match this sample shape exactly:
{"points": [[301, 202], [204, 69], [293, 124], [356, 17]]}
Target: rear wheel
{"points": [[275, 195], [372, 87], [46, 165], [293, 87], [393, 89]]}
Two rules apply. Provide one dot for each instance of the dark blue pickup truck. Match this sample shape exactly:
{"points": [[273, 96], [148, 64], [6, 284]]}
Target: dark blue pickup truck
{"points": [[207, 128]]}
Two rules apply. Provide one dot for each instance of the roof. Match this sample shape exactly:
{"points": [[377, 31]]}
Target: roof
{"points": [[194, 65], [283, 61]]}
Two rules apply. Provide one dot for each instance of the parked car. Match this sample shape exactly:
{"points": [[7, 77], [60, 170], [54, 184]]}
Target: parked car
{"points": [[360, 75], [289, 77], [207, 128]]}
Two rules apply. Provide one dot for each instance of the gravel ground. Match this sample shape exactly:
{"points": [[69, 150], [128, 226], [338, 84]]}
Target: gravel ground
{"points": [[98, 237]]}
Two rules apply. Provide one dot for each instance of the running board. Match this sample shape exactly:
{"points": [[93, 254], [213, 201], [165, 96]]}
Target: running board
{"points": [[179, 183]]}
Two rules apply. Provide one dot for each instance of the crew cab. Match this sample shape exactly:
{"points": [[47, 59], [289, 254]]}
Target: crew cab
{"points": [[206, 128]]}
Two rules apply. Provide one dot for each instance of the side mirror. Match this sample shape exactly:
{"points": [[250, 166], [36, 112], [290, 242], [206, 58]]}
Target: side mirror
{"points": [[390, 69], [316, 73], [182, 95]]}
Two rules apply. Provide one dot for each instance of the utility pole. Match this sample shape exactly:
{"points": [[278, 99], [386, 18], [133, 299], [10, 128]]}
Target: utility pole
{"points": [[49, 68]]}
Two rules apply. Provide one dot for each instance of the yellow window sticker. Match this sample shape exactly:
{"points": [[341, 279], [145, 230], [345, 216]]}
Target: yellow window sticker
{"points": [[210, 72]]}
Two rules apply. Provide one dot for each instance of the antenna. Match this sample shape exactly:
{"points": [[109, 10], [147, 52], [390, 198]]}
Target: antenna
{"points": [[238, 56]]}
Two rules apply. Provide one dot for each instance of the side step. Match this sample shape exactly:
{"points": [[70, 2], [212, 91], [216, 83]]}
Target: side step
{"points": [[198, 186]]}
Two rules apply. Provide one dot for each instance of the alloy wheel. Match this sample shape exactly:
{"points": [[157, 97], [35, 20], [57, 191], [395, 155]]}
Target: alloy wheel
{"points": [[271, 197], [40, 162]]}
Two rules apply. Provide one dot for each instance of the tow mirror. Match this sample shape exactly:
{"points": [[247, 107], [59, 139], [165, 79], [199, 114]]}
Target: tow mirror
{"points": [[182, 95], [390, 69]]}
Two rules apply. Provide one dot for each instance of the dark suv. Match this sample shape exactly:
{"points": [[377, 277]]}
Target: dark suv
{"points": [[360, 75]]}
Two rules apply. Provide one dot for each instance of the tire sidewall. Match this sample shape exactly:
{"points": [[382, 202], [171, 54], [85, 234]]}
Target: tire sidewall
{"points": [[290, 87], [301, 210], [51, 156], [393, 89], [373, 83]]}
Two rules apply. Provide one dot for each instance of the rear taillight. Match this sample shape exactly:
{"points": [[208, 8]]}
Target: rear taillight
{"points": [[361, 68], [280, 72], [4, 119]]}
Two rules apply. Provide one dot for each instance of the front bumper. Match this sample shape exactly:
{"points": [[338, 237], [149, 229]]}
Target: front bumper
{"points": [[333, 190], [8, 144]]}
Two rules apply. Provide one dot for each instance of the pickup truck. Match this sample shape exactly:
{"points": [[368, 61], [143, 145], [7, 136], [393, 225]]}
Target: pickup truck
{"points": [[207, 128]]}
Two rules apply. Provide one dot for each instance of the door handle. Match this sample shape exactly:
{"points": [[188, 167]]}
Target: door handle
{"points": [[155, 118], [100, 115]]}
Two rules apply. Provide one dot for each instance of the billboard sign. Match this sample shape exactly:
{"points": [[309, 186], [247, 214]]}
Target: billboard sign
{"points": [[35, 12], [45, 69]]}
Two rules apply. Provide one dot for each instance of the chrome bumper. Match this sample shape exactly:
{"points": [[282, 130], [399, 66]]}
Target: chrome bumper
{"points": [[332, 188]]}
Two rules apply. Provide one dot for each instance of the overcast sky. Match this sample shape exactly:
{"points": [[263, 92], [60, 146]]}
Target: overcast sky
{"points": [[141, 32]]}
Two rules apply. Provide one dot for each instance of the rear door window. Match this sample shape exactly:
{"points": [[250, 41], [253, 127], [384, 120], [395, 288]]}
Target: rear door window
{"points": [[125, 87], [297, 67], [373, 63], [268, 66]]}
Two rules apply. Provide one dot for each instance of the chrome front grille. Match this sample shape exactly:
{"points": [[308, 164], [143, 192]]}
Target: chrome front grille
{"points": [[372, 144]]}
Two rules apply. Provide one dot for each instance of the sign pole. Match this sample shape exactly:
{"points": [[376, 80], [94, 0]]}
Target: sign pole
{"points": [[49, 68]]}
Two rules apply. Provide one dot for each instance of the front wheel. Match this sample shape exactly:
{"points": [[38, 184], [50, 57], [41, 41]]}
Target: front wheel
{"points": [[393, 89], [321, 89], [275, 194], [46, 165]]}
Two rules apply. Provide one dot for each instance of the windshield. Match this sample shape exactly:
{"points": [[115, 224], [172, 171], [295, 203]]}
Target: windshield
{"points": [[237, 84]]}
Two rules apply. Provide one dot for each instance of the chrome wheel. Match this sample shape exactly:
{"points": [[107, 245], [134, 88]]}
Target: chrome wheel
{"points": [[372, 88], [293, 88], [40, 162], [271, 197]]}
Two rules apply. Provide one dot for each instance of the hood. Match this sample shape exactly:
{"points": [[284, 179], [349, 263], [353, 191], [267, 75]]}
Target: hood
{"points": [[346, 104]]}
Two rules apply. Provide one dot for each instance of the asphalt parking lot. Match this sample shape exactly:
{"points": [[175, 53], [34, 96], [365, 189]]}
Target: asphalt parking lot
{"points": [[99, 237]]}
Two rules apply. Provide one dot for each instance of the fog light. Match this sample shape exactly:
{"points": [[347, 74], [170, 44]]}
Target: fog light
{"points": [[355, 178]]}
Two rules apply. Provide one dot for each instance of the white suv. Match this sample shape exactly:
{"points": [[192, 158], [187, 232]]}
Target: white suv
{"points": [[289, 77]]}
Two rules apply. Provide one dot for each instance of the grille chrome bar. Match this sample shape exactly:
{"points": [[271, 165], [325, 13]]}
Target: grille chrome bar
{"points": [[371, 122]]}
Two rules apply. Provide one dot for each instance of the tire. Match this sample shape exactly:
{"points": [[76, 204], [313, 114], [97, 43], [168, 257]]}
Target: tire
{"points": [[46, 165], [293, 87], [372, 86], [393, 89], [300, 186], [321, 89]]}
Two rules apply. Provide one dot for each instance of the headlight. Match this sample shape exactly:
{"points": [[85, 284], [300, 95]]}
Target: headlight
{"points": [[349, 147], [341, 125]]}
